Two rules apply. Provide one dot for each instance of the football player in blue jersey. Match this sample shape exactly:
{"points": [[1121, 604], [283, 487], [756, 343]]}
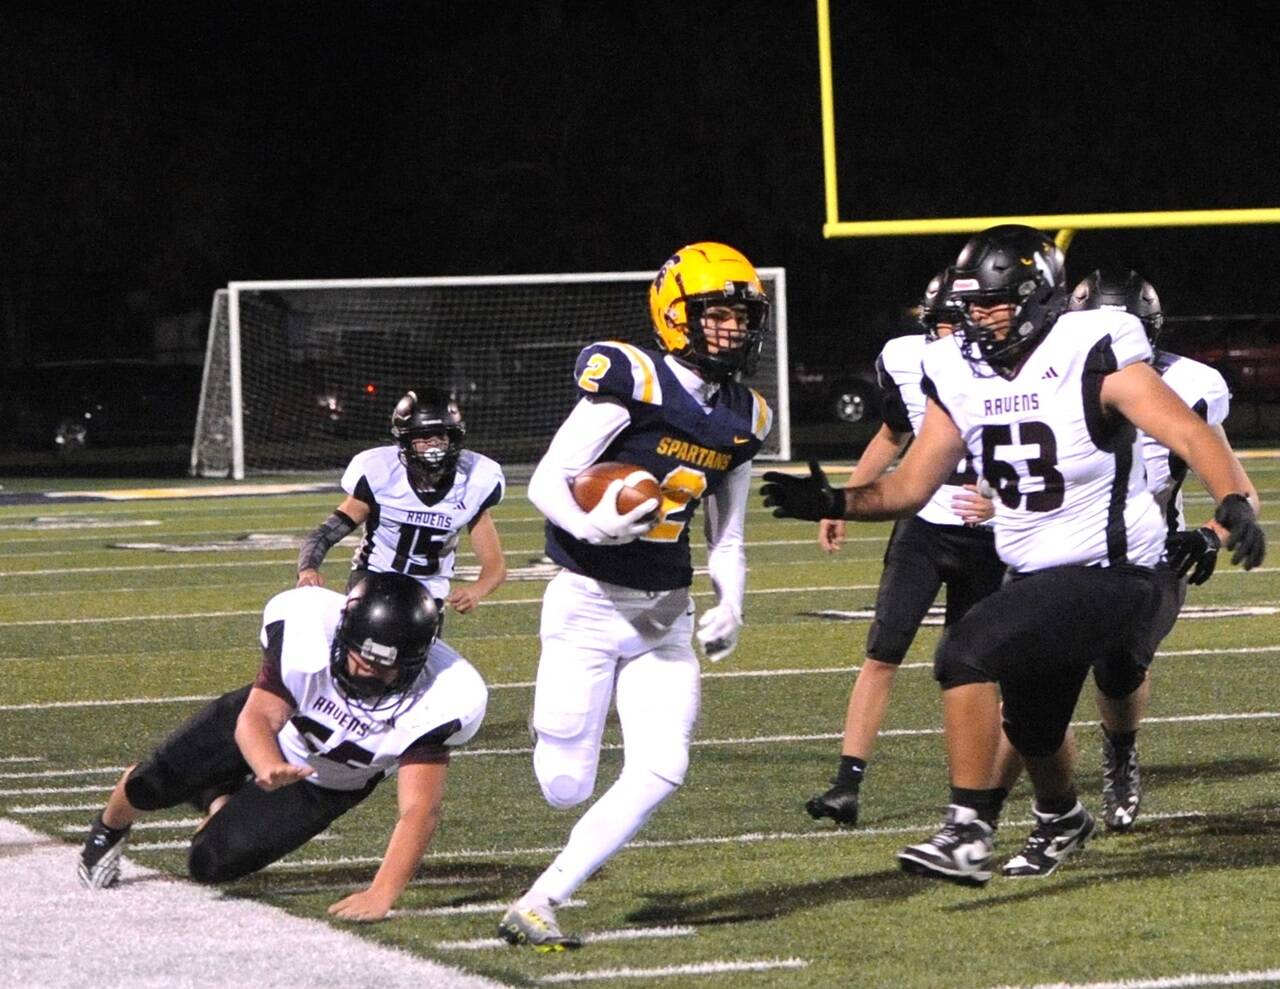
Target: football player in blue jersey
{"points": [[414, 499], [620, 611], [1052, 402]]}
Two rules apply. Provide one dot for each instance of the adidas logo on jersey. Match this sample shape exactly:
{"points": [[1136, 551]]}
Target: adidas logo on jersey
{"points": [[1051, 373]]}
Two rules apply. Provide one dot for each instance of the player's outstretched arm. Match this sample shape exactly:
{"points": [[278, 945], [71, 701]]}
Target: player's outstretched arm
{"points": [[493, 565], [346, 518], [420, 792], [878, 455], [260, 721]]}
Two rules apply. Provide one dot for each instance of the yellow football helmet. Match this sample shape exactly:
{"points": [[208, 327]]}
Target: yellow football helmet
{"points": [[704, 276]]}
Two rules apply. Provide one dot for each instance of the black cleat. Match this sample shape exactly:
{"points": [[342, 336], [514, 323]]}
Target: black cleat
{"points": [[99, 865], [1054, 837], [1121, 787], [959, 853], [840, 803]]}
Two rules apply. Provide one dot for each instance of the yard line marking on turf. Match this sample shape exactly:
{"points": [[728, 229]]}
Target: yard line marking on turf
{"points": [[621, 934], [165, 846], [22, 758], [35, 790], [425, 881], [51, 808], [696, 968], [1166, 982], [174, 822], [43, 774], [122, 702], [749, 838], [495, 906]]}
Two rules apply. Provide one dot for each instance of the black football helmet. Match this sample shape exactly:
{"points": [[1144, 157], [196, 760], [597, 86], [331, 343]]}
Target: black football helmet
{"points": [[390, 620], [1124, 291], [1011, 264], [936, 305], [425, 412]]}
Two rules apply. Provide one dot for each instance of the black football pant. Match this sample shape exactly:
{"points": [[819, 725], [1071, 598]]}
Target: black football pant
{"points": [[255, 827]]}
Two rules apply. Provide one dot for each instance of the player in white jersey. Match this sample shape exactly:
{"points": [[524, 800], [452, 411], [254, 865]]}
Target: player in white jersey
{"points": [[943, 544], [1049, 400], [414, 499], [1192, 553], [350, 691], [617, 621]]}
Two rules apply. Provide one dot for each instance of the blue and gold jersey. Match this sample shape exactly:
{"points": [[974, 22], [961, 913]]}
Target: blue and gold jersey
{"points": [[686, 448]]}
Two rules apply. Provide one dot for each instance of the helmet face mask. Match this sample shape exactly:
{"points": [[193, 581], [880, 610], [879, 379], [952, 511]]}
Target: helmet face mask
{"points": [[427, 413], [1006, 265], [1121, 291], [709, 310], [390, 622]]}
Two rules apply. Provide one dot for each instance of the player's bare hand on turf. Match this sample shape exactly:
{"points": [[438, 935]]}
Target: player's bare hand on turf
{"points": [[364, 906], [831, 535], [810, 498], [310, 578], [972, 505], [464, 599], [1195, 548], [281, 775], [1246, 539]]}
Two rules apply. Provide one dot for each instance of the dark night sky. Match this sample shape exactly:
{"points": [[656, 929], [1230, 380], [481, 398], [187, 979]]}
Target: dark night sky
{"points": [[158, 150]]}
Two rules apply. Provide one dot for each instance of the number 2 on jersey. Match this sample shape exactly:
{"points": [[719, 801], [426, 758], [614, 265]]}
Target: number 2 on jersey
{"points": [[680, 489]]}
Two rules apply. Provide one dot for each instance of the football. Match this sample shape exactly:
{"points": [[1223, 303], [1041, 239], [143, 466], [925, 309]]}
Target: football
{"points": [[638, 486]]}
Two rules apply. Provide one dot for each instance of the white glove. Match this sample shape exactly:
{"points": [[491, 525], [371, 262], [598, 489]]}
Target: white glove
{"points": [[718, 630], [606, 527]]}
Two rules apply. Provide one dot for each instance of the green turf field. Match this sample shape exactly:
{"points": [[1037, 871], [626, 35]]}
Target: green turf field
{"points": [[103, 649]]}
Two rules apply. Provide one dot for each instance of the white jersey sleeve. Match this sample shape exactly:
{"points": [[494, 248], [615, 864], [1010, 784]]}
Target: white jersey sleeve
{"points": [[900, 374], [407, 533], [348, 745], [1069, 476], [1205, 392]]}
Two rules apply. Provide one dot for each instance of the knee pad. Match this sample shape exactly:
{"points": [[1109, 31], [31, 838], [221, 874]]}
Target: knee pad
{"points": [[888, 645], [566, 774], [1037, 740], [952, 668], [154, 786], [1119, 680]]}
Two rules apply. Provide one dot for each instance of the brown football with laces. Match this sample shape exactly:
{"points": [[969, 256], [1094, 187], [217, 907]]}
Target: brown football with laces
{"points": [[638, 486]]}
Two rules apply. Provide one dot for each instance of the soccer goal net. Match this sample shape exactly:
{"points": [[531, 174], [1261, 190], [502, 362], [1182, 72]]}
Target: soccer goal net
{"points": [[301, 375]]}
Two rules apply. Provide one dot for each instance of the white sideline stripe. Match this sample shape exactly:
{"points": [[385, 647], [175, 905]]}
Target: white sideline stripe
{"points": [[181, 926], [697, 968], [749, 838], [621, 934], [491, 906], [1166, 982]]}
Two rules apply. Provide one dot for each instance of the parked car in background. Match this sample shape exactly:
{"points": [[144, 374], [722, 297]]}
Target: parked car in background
{"points": [[69, 406], [840, 393], [1245, 350]]}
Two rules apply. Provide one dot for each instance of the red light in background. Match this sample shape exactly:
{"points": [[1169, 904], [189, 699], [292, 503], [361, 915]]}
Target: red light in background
{"points": [[370, 388]]}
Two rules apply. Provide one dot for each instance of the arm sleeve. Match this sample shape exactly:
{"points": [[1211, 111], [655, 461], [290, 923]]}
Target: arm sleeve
{"points": [[726, 512], [431, 747], [323, 538], [579, 442]]}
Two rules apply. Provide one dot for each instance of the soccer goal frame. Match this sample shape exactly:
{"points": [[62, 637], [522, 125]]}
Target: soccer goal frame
{"points": [[226, 444]]}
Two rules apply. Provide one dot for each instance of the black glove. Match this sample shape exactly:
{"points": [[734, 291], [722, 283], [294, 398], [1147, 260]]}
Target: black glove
{"points": [[1247, 539], [810, 498], [1194, 548]]}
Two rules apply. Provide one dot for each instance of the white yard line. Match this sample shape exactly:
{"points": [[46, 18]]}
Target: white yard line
{"points": [[491, 906], [1166, 982], [696, 968], [594, 937]]}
